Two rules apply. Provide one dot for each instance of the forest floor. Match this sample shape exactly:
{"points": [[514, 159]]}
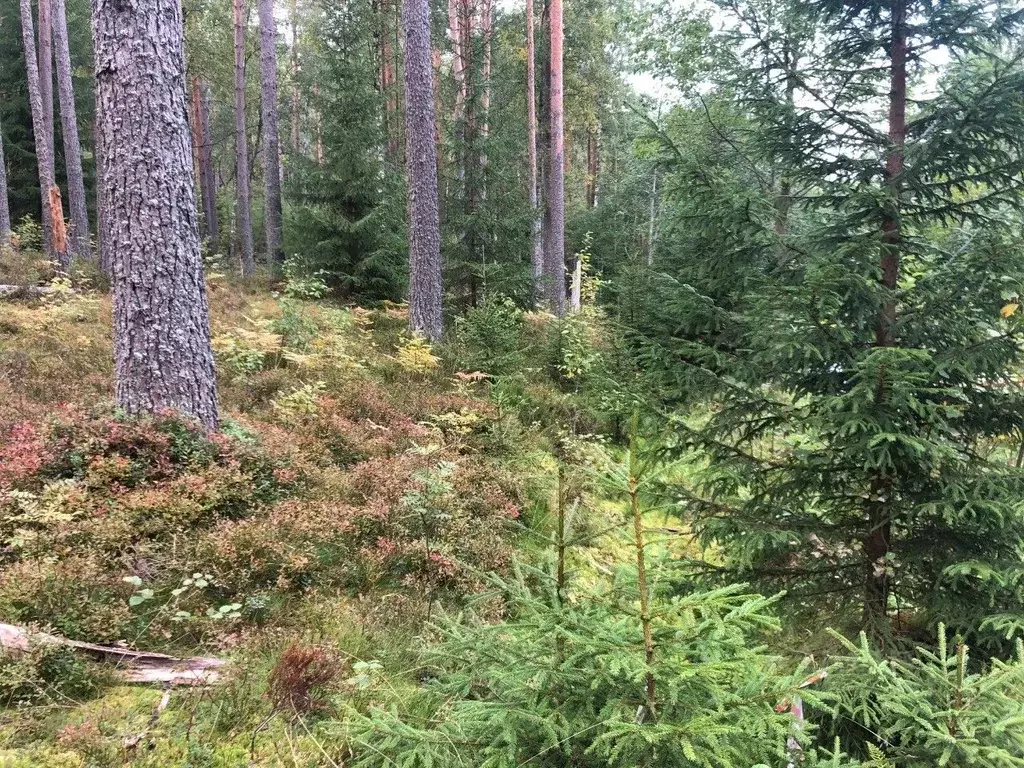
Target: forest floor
{"points": [[363, 484]]}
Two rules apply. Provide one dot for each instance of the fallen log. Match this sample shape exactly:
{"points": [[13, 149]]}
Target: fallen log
{"points": [[132, 666]]}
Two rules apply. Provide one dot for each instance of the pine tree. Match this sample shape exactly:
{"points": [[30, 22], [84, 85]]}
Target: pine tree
{"points": [[421, 163], [272, 223], [243, 195], [43, 144], [554, 248], [163, 357], [77, 206], [5, 209]]}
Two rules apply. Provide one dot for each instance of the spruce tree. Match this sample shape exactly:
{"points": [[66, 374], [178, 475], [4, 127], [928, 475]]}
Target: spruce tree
{"points": [[862, 358]]}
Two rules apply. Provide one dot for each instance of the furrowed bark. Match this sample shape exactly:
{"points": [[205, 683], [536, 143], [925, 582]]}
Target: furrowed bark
{"points": [[555, 252], [421, 165], [77, 207], [163, 358], [43, 146], [242, 192], [273, 225]]}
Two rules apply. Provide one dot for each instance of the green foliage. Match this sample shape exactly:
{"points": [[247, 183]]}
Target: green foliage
{"points": [[490, 338], [935, 708], [566, 683]]}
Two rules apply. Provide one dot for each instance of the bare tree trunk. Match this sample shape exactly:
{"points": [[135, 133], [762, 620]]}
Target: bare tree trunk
{"points": [[387, 81], [101, 204], [5, 210], [593, 162], [45, 33], [244, 197], [296, 119], [204, 157], [77, 207], [273, 224], [421, 164], [536, 247], [555, 255], [318, 126], [163, 358], [43, 146], [486, 32], [877, 539]]}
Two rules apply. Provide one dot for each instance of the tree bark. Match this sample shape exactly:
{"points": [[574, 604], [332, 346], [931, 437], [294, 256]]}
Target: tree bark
{"points": [[296, 118], [45, 33], [5, 209], [243, 195], [536, 247], [77, 206], [421, 165], [43, 146], [555, 252], [163, 357], [273, 225], [878, 537]]}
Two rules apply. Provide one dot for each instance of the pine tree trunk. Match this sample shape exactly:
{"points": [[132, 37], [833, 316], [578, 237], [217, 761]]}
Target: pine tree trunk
{"points": [[273, 224], [555, 253], [877, 541], [77, 206], [43, 147], [45, 33], [243, 195], [161, 320], [101, 205], [421, 165], [296, 118], [387, 81], [5, 209], [203, 141], [536, 248]]}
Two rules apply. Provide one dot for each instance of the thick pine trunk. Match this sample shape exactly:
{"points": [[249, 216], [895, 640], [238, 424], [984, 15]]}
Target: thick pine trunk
{"points": [[243, 195], [421, 165], [43, 146], [273, 224], [536, 247], [5, 210], [877, 541], [77, 207], [555, 252], [161, 320]]}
